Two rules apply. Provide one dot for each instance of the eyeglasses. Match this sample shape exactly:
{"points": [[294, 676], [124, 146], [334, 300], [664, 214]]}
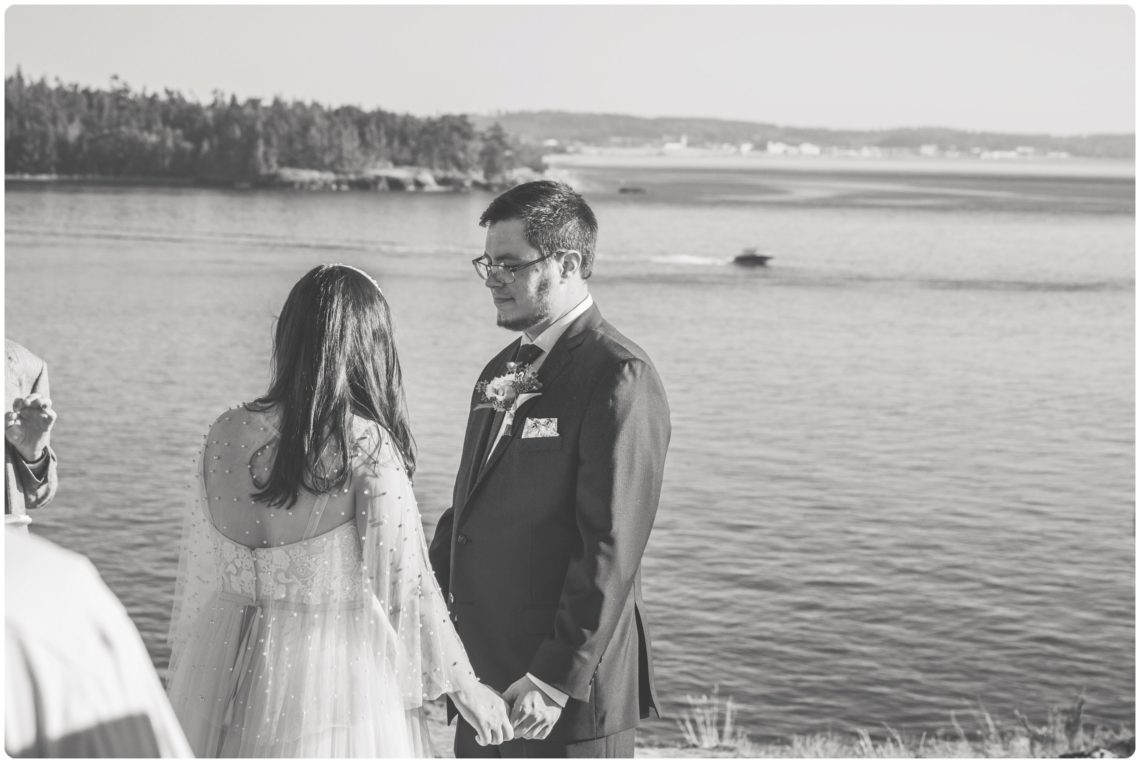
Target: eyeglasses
{"points": [[505, 274]]}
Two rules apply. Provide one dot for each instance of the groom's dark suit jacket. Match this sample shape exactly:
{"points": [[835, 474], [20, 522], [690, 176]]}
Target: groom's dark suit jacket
{"points": [[540, 553]]}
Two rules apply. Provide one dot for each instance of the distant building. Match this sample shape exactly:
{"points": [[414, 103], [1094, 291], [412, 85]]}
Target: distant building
{"points": [[810, 149], [678, 145], [745, 148], [928, 149]]}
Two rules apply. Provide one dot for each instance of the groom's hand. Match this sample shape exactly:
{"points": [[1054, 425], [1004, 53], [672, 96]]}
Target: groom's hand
{"points": [[533, 714]]}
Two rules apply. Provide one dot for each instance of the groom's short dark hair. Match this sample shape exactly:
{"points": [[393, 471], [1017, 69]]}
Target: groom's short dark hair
{"points": [[554, 216]]}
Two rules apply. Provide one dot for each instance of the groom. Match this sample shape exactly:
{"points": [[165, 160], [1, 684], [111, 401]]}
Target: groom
{"points": [[540, 552]]}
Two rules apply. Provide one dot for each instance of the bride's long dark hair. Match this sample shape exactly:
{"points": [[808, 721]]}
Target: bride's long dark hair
{"points": [[334, 356]]}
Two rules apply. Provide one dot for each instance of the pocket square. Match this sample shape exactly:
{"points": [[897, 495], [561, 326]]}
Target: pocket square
{"points": [[540, 428]]}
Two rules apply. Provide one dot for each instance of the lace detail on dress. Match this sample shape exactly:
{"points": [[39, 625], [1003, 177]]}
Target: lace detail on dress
{"points": [[238, 572], [321, 570]]}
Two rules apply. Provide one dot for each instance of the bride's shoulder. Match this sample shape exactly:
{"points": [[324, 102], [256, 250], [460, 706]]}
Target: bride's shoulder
{"points": [[241, 416], [371, 445]]}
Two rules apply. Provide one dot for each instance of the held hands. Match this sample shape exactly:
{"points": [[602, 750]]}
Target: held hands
{"points": [[27, 427], [483, 708], [533, 714]]}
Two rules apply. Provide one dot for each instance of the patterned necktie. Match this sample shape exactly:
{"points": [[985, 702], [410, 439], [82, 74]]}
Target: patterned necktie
{"points": [[524, 355]]}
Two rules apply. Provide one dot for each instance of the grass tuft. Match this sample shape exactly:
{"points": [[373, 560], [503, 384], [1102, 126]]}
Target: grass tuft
{"points": [[701, 727], [710, 729]]}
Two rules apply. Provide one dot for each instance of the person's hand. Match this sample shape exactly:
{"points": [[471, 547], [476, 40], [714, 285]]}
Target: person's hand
{"points": [[486, 711], [27, 427], [533, 714]]}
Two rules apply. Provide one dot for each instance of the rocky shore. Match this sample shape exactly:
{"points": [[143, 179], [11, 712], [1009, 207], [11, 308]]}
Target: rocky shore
{"points": [[377, 179]]}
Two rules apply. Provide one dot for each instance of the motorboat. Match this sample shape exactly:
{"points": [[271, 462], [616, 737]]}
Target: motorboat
{"points": [[751, 258]]}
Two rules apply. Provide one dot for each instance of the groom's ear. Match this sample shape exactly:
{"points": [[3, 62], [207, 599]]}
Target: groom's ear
{"points": [[571, 263]]}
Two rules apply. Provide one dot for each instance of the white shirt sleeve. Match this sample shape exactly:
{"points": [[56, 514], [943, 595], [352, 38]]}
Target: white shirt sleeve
{"points": [[559, 697]]}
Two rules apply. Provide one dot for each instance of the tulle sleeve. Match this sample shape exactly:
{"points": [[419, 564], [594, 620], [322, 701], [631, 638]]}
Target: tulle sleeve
{"points": [[199, 572], [429, 658]]}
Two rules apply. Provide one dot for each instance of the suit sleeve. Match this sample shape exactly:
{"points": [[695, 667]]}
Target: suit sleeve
{"points": [[38, 488], [440, 551], [624, 437]]}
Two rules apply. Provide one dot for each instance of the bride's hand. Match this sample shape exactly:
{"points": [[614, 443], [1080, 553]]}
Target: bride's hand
{"points": [[487, 712]]}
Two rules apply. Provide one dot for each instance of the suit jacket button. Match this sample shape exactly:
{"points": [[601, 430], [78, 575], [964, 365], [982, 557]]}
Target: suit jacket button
{"points": [[462, 539], [451, 598], [454, 617]]}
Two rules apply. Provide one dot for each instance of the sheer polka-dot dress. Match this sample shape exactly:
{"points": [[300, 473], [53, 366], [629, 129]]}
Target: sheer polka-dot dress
{"points": [[316, 630]]}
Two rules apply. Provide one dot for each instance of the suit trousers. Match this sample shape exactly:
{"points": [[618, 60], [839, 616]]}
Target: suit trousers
{"points": [[619, 745]]}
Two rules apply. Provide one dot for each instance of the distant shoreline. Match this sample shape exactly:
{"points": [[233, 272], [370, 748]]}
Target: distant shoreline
{"points": [[124, 180], [1115, 169], [420, 180], [378, 180]]}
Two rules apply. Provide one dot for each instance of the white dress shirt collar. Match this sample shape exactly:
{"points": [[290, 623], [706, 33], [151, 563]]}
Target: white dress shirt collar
{"points": [[548, 338]]}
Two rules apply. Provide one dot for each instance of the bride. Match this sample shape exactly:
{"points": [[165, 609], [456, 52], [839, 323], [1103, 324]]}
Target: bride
{"points": [[307, 621]]}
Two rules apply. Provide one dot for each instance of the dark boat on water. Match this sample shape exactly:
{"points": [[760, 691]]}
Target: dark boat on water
{"points": [[750, 258]]}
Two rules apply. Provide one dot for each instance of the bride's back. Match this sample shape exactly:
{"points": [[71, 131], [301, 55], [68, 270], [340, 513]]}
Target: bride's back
{"points": [[240, 448]]}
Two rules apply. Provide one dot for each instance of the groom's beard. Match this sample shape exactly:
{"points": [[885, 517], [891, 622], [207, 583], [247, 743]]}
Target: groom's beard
{"points": [[542, 308]]}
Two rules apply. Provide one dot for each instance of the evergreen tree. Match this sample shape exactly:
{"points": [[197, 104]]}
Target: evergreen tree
{"points": [[58, 128], [496, 156]]}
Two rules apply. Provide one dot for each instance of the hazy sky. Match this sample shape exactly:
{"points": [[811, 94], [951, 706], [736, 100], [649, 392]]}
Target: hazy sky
{"points": [[1059, 69]]}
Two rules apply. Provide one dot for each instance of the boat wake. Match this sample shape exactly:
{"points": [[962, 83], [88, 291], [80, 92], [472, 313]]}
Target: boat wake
{"points": [[688, 259]]}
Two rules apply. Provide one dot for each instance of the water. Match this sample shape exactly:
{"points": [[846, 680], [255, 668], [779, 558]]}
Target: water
{"points": [[902, 471]]}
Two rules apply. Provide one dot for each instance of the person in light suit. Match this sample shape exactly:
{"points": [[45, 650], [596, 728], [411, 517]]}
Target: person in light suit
{"points": [[30, 479], [558, 485]]}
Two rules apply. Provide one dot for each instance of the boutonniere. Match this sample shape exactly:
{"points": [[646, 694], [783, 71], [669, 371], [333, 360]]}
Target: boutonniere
{"points": [[502, 392]]}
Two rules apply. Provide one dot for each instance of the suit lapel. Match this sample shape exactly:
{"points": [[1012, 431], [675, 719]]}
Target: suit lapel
{"points": [[553, 367], [478, 428], [560, 354]]}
